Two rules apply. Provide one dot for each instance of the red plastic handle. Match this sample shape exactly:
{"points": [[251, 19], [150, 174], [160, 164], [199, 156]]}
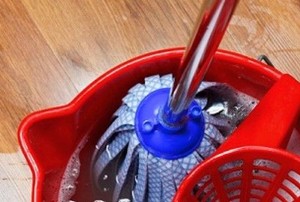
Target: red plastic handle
{"points": [[271, 123]]}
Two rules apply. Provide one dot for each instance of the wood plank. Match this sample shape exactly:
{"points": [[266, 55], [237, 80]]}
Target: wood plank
{"points": [[50, 50], [262, 27], [30, 76], [88, 37]]}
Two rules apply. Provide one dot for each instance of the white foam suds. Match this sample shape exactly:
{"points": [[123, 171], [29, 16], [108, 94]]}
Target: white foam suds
{"points": [[68, 183], [120, 200], [294, 142]]}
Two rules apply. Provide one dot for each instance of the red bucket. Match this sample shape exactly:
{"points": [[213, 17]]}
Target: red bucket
{"points": [[48, 138], [252, 164]]}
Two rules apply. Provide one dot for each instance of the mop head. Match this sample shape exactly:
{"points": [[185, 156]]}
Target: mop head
{"points": [[123, 169]]}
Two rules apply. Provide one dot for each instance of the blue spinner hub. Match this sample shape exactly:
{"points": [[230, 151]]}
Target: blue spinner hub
{"points": [[161, 139]]}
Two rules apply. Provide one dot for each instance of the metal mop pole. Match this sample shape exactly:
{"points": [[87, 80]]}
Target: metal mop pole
{"points": [[197, 59], [159, 134]]}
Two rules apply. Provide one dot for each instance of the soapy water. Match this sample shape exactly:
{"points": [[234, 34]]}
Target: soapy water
{"points": [[68, 187], [71, 174], [235, 112], [69, 181], [233, 106]]}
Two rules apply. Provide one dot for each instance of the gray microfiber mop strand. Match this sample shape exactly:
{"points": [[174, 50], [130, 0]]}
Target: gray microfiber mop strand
{"points": [[157, 179]]}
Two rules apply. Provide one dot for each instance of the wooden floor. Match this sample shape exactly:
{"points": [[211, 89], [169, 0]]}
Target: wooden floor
{"points": [[50, 50]]}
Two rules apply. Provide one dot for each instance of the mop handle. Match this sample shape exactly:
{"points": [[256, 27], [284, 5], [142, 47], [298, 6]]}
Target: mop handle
{"points": [[215, 16]]}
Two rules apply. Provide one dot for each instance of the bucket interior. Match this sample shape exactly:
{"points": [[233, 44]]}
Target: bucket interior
{"points": [[51, 136]]}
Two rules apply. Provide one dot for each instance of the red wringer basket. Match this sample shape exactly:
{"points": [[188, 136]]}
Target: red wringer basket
{"points": [[253, 164]]}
